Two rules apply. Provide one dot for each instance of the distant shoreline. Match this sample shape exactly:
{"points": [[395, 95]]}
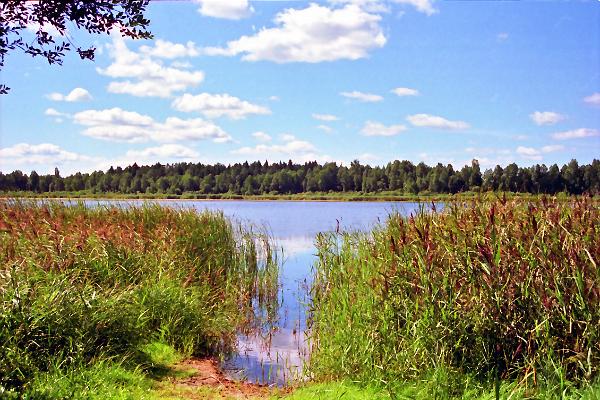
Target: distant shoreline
{"points": [[307, 197]]}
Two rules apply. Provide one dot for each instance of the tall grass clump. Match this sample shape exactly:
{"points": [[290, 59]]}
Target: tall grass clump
{"points": [[474, 297], [81, 285]]}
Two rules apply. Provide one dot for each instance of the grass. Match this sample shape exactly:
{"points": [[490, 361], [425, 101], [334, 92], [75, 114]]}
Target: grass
{"points": [[424, 390], [87, 292], [484, 297]]}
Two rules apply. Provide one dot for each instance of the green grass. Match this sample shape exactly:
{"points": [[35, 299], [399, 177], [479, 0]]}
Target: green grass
{"points": [[425, 391], [87, 292], [465, 302]]}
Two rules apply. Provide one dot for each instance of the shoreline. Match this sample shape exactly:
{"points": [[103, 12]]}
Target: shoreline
{"points": [[468, 196]]}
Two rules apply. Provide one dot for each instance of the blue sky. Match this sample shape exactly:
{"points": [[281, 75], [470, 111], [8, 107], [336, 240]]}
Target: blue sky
{"points": [[373, 80]]}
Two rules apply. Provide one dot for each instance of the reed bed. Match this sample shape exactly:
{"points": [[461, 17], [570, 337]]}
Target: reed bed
{"points": [[500, 296], [86, 285]]}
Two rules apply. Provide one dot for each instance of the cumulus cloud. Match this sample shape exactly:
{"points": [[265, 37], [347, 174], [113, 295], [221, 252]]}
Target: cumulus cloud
{"points": [[166, 49], [423, 6], [546, 117], [43, 153], [228, 9], [576, 134], [145, 75], [51, 112], [164, 151], [262, 137], [290, 148], [433, 121], [364, 97], [313, 34], [402, 91], [536, 154], [325, 117], [77, 94], [593, 99], [373, 6], [366, 157], [552, 148], [378, 129], [218, 105], [119, 125], [325, 128]]}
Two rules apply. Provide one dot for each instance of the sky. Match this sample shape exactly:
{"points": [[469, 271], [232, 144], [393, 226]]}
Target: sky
{"points": [[338, 80]]}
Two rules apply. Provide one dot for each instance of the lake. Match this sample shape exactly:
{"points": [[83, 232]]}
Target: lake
{"points": [[293, 225]]}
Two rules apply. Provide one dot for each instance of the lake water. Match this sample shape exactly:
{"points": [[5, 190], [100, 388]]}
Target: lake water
{"points": [[294, 226]]}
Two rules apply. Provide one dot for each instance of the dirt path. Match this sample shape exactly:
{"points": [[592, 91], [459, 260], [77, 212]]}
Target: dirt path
{"points": [[205, 380]]}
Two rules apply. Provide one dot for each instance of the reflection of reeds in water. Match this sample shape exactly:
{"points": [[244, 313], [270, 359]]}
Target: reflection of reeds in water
{"points": [[275, 353]]}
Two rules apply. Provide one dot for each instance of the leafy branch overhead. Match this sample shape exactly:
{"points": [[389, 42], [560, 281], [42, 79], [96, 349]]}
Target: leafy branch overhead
{"points": [[49, 19]]}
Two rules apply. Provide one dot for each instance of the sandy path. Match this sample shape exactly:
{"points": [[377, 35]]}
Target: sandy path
{"points": [[208, 382]]}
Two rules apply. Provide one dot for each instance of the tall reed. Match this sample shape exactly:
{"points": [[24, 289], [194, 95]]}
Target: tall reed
{"points": [[81, 284], [478, 292]]}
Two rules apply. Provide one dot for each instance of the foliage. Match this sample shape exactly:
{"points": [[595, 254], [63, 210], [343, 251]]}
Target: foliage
{"points": [[479, 292], [50, 17], [250, 179], [82, 285]]}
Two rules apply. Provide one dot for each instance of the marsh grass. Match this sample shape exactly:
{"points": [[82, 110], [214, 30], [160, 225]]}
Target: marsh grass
{"points": [[82, 287], [481, 297]]}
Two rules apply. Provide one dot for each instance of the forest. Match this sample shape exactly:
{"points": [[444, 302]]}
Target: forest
{"points": [[258, 178]]}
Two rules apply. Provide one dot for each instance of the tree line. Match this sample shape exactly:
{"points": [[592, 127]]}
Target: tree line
{"points": [[289, 178]]}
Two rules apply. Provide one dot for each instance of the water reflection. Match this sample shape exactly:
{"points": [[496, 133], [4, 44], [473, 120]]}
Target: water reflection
{"points": [[278, 357]]}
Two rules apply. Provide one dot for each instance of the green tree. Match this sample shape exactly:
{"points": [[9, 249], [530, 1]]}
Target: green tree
{"points": [[34, 182]]}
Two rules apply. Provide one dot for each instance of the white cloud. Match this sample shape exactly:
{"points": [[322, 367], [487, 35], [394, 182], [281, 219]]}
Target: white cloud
{"points": [[325, 128], [164, 151], [433, 121], [149, 77], [546, 117], [325, 117], [402, 91], [166, 49], [274, 98], [119, 125], [77, 94], [291, 148], [594, 99], [286, 137], [228, 9], [313, 34], [378, 129], [366, 157], [44, 153], [502, 36], [536, 154], [218, 105], [373, 6], [424, 6], [552, 148], [576, 134], [364, 97], [529, 153], [262, 137], [51, 112]]}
